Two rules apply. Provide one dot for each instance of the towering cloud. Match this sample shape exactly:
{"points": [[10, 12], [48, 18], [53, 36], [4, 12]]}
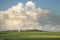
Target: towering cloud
{"points": [[30, 5], [22, 17]]}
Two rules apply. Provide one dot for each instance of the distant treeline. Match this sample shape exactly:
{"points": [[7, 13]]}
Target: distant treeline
{"points": [[32, 30]]}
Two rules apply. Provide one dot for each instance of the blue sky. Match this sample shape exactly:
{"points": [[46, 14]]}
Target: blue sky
{"points": [[52, 5]]}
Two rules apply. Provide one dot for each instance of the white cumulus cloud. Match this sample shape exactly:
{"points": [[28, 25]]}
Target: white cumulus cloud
{"points": [[21, 17]]}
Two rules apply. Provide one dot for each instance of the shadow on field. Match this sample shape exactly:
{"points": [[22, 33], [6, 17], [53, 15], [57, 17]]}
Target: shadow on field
{"points": [[35, 39]]}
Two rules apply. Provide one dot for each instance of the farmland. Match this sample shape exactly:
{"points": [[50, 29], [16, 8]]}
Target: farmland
{"points": [[29, 35]]}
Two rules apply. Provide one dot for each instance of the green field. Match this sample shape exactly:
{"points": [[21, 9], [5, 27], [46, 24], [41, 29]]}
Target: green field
{"points": [[29, 35]]}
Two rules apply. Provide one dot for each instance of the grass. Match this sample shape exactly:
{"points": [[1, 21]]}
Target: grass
{"points": [[29, 35]]}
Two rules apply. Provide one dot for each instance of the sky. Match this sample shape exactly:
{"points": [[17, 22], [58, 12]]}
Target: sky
{"points": [[43, 14], [53, 5]]}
